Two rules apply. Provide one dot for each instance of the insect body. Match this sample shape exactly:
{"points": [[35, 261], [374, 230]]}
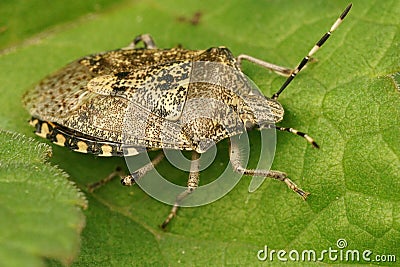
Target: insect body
{"points": [[83, 106]]}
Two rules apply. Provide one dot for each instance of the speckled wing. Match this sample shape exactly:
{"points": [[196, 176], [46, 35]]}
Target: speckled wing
{"points": [[72, 99], [160, 89], [59, 95], [159, 86], [115, 97]]}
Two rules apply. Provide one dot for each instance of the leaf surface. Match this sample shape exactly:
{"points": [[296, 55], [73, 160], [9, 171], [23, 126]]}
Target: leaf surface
{"points": [[348, 101]]}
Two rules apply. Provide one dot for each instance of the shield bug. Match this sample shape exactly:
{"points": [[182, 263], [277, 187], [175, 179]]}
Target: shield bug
{"points": [[83, 106]]}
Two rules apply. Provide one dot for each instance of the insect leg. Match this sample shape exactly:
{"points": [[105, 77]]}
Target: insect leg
{"points": [[136, 175], [278, 69], [192, 184], [281, 176], [117, 173], [146, 39], [304, 135], [126, 180]]}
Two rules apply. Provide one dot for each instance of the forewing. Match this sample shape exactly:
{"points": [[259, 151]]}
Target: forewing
{"points": [[108, 97], [60, 94], [159, 89]]}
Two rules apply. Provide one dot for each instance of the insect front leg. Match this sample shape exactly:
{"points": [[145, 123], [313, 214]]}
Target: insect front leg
{"points": [[146, 39], [281, 176], [192, 184], [278, 69]]}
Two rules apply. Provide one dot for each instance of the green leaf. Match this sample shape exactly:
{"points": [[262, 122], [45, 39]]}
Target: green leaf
{"points": [[20, 20], [38, 205], [348, 100]]}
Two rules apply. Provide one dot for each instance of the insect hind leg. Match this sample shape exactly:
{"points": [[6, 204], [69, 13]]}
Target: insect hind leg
{"points": [[192, 184], [129, 179], [117, 173], [146, 39]]}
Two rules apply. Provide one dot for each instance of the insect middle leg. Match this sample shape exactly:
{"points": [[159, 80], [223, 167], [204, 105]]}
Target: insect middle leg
{"points": [[281, 176], [192, 184]]}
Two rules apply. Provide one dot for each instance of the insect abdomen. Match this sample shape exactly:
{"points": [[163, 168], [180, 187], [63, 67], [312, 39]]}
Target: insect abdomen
{"points": [[62, 137]]}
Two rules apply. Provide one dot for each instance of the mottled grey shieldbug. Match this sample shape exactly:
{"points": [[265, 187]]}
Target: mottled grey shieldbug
{"points": [[82, 105]]}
